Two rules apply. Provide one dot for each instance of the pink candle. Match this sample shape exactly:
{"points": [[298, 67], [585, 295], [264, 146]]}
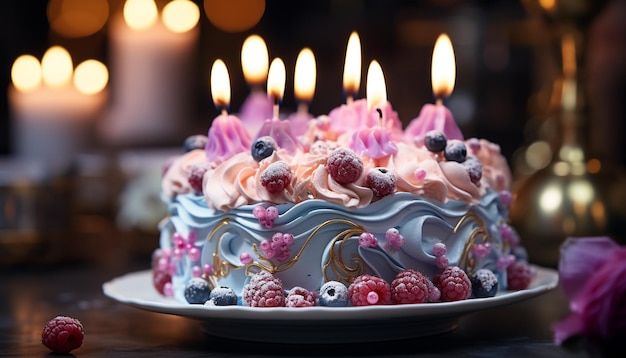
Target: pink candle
{"points": [[227, 135], [304, 89], [437, 116], [258, 106]]}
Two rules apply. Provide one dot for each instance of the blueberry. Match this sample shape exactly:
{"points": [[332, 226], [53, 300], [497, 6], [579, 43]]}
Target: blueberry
{"points": [[197, 291], [263, 148], [435, 141], [197, 141], [474, 169], [455, 151], [484, 283], [223, 296], [333, 294]]}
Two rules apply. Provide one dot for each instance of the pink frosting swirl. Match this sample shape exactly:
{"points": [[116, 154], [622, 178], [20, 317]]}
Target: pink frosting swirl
{"points": [[226, 137], [176, 178], [433, 117]]}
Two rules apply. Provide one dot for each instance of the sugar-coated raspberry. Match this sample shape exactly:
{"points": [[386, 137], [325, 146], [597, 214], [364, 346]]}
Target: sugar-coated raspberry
{"points": [[439, 249], [484, 283], [519, 275], [394, 238], [159, 279], [381, 181], [196, 176], [63, 334], [197, 290], [333, 294], [222, 296], [455, 151], [474, 169], [300, 297], [410, 286], [276, 177], [362, 286], [453, 284], [264, 290], [435, 141], [474, 145], [344, 166], [442, 262]]}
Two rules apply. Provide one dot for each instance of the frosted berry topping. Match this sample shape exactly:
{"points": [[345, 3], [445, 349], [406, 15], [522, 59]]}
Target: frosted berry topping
{"points": [[333, 294], [63, 334], [196, 176], [263, 147], [367, 239], [222, 296], [197, 290], [381, 181], [484, 283], [453, 284], [197, 141], [410, 286], [435, 141], [263, 290], [276, 177], [300, 297], [368, 290], [266, 216], [519, 275], [394, 238], [455, 151], [344, 166], [474, 169]]}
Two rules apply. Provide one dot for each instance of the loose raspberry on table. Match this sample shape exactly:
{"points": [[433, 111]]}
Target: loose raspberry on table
{"points": [[276, 177], [368, 290], [410, 286], [519, 275], [344, 166], [453, 284], [63, 334], [264, 290], [196, 176], [300, 297]]}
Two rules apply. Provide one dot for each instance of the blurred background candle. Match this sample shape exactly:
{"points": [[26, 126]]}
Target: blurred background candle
{"points": [[257, 106], [54, 107], [305, 76], [352, 68], [151, 59]]}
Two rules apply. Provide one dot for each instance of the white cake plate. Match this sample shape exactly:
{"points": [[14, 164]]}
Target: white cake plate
{"points": [[320, 324]]}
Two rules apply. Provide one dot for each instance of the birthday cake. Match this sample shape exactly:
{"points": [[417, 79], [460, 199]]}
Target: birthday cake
{"points": [[344, 209]]}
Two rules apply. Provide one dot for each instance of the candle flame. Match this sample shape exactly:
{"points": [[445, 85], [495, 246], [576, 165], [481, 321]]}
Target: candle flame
{"points": [[352, 66], [90, 77], [375, 86], [254, 60], [220, 84], [26, 73], [180, 15], [443, 67], [305, 76], [276, 80], [140, 14], [56, 67]]}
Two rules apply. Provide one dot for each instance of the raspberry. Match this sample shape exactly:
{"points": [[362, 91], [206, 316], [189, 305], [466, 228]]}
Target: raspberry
{"points": [[276, 177], [63, 334], [344, 166], [264, 290], [518, 275], [474, 169], [195, 177], [160, 279], [381, 181], [368, 290], [410, 286], [300, 297], [453, 284]]}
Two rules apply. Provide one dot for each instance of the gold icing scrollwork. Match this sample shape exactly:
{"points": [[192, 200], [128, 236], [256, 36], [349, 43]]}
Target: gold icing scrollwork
{"points": [[468, 261], [221, 267]]}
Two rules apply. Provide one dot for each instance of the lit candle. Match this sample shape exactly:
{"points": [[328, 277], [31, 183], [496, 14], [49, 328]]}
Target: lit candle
{"points": [[352, 67], [304, 89], [257, 106], [53, 106], [227, 135], [151, 55], [374, 141], [437, 116], [276, 128]]}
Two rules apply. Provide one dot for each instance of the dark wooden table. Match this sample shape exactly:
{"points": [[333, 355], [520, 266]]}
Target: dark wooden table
{"points": [[30, 296]]}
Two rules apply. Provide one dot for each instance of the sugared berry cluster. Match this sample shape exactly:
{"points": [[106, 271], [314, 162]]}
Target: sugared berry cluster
{"points": [[279, 247], [266, 216], [455, 150]]}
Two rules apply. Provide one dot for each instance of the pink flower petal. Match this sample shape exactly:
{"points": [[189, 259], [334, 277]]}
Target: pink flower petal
{"points": [[571, 325], [580, 258]]}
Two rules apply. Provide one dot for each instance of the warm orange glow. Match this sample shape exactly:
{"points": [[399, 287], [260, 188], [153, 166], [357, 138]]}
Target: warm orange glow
{"points": [[375, 86], [90, 77], [254, 60], [305, 76], [77, 18], [220, 84], [26, 73], [276, 80], [234, 15], [181, 15], [56, 67], [352, 66], [140, 14], [443, 67]]}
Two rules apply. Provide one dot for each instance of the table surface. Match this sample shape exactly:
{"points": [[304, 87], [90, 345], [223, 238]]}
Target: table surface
{"points": [[33, 295]]}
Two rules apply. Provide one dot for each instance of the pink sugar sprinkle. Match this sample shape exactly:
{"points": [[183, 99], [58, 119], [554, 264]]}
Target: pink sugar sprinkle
{"points": [[191, 238], [368, 239], [505, 261], [271, 213], [194, 254], [171, 268], [259, 212], [394, 238], [439, 249], [245, 258], [168, 290], [482, 249], [162, 264], [208, 269], [506, 198], [196, 271], [434, 294], [442, 262], [372, 298], [420, 174]]}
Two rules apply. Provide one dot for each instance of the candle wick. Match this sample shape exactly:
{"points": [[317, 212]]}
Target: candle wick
{"points": [[439, 101], [224, 111], [276, 109], [380, 117], [350, 99], [303, 108]]}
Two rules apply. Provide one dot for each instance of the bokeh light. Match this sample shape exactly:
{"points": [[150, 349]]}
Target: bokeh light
{"points": [[91, 76], [181, 15], [77, 18], [26, 73], [234, 15]]}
